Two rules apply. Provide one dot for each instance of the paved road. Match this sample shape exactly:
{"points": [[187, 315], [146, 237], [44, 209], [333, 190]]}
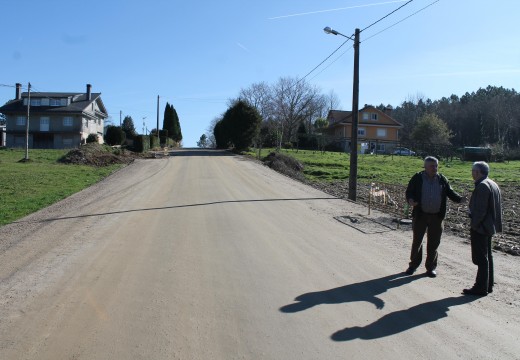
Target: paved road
{"points": [[203, 255]]}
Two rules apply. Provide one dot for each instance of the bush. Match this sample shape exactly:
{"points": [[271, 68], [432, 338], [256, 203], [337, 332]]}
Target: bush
{"points": [[115, 135], [141, 143], [92, 138]]}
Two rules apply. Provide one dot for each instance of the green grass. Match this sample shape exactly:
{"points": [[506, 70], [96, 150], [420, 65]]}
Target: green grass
{"points": [[331, 166], [26, 187]]}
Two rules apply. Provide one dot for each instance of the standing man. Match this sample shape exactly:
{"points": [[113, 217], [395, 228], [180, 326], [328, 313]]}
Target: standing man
{"points": [[485, 209], [427, 192]]}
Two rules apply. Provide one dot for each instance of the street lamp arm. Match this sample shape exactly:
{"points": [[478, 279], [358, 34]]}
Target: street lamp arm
{"points": [[328, 30]]}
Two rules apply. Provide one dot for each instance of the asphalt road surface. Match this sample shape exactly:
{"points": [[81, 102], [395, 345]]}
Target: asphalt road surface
{"points": [[204, 255]]}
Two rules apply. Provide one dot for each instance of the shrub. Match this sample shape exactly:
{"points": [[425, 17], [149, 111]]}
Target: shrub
{"points": [[92, 138], [115, 135]]}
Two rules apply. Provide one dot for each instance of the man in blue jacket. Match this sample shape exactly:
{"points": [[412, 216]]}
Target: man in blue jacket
{"points": [[485, 209], [427, 192]]}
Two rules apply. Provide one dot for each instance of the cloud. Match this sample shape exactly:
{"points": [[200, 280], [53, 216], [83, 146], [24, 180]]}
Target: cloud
{"points": [[243, 47], [337, 9]]}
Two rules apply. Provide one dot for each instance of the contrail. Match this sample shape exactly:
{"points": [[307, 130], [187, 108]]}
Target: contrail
{"points": [[243, 47], [329, 10]]}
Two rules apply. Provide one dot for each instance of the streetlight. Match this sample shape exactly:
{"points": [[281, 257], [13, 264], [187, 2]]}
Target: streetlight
{"points": [[352, 179]]}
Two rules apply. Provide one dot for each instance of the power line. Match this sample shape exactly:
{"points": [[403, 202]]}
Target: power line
{"points": [[387, 15], [332, 62], [327, 58], [400, 21]]}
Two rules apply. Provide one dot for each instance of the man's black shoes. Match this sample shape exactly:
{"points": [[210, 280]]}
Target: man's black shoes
{"points": [[410, 271], [474, 292], [431, 273]]}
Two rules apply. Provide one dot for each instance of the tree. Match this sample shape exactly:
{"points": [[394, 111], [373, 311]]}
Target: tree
{"points": [[114, 135], [171, 123], [294, 101], [128, 127], [238, 127], [432, 130], [203, 141], [321, 123]]}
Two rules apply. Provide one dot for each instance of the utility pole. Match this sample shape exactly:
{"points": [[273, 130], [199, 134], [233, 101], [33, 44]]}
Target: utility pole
{"points": [[352, 179], [27, 122], [120, 115], [158, 138]]}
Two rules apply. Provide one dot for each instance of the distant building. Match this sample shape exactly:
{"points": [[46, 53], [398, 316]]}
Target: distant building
{"points": [[57, 120], [377, 130]]}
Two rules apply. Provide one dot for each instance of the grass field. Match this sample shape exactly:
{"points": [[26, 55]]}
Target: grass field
{"points": [[332, 166], [29, 186]]}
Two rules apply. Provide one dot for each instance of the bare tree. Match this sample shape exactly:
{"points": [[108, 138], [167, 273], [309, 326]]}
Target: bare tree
{"points": [[259, 96], [294, 101]]}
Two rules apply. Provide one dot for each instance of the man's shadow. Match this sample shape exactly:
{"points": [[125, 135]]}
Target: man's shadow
{"points": [[403, 320], [363, 291]]}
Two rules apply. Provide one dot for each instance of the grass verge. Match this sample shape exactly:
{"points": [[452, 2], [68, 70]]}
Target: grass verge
{"points": [[30, 186], [334, 166]]}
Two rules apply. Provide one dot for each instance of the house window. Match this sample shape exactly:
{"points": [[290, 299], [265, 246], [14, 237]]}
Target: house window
{"points": [[67, 121], [381, 132], [45, 102], [361, 132], [20, 120], [366, 116], [45, 123], [36, 102], [64, 102], [373, 116], [55, 102]]}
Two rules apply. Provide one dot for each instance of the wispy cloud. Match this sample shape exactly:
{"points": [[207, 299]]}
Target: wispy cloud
{"points": [[337, 9], [243, 47]]}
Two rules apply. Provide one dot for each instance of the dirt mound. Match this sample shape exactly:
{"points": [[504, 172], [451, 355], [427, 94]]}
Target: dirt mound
{"points": [[284, 164], [98, 155]]}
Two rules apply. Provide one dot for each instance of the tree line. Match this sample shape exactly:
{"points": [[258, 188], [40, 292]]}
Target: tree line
{"points": [[291, 108], [489, 116], [171, 129], [283, 107]]}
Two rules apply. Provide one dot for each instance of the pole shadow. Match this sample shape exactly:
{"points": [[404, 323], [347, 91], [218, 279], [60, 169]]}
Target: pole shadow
{"points": [[363, 291], [403, 320]]}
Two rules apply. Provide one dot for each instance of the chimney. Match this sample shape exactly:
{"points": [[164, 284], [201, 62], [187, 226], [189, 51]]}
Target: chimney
{"points": [[89, 93], [388, 110], [18, 91]]}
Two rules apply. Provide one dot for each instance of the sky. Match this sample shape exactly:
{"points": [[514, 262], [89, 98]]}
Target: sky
{"points": [[198, 54]]}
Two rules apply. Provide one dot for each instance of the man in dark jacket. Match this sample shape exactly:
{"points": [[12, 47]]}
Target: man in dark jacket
{"points": [[427, 192], [485, 208]]}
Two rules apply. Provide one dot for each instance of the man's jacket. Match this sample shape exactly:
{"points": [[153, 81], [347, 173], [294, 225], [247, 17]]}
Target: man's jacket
{"points": [[485, 207], [414, 191]]}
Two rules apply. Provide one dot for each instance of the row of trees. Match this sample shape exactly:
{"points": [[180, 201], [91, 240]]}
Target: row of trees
{"points": [[487, 116], [292, 108], [284, 107], [116, 135]]}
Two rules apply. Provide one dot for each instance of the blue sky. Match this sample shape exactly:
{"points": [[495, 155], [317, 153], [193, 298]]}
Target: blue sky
{"points": [[197, 54]]}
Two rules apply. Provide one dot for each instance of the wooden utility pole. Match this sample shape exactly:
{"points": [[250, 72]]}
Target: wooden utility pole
{"points": [[27, 122], [158, 138], [352, 179]]}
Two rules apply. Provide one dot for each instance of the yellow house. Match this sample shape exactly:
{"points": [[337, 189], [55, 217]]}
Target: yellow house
{"points": [[377, 130]]}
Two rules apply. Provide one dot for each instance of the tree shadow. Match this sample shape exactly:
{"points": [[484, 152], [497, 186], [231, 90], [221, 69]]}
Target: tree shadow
{"points": [[363, 291], [200, 152], [403, 320]]}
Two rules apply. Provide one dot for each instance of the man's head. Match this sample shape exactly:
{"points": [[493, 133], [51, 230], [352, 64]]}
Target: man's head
{"points": [[431, 166], [480, 169]]}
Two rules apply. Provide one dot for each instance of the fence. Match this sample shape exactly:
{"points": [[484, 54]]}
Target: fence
{"points": [[389, 198]]}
